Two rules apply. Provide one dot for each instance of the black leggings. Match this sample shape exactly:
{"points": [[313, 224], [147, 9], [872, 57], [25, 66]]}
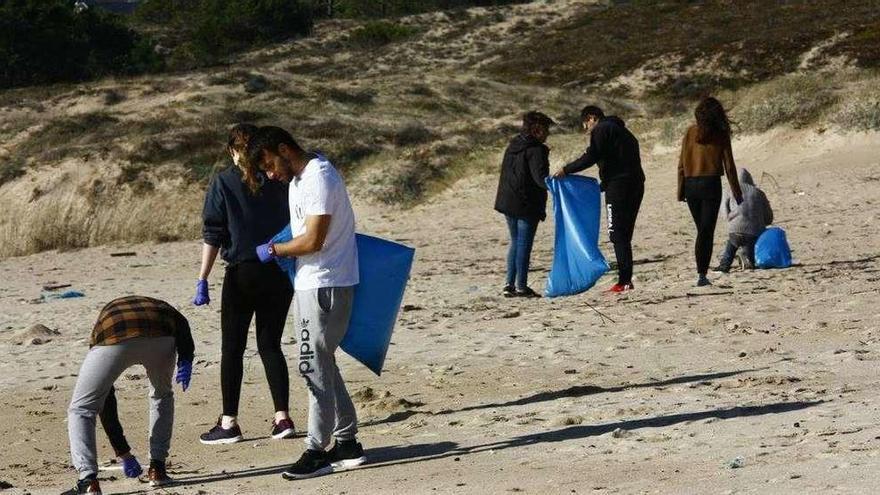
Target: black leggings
{"points": [[623, 198], [703, 195], [254, 288]]}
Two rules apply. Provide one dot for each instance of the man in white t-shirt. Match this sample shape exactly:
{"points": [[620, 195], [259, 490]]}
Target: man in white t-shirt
{"points": [[322, 223]]}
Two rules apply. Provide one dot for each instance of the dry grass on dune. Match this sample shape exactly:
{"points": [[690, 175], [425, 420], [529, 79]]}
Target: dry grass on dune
{"points": [[404, 109]]}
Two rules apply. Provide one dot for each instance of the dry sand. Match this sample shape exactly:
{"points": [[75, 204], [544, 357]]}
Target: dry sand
{"points": [[483, 394]]}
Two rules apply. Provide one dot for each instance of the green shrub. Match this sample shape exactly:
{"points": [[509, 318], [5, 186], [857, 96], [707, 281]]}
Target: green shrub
{"points": [[205, 31], [380, 33], [10, 170], [859, 114], [794, 100], [47, 41]]}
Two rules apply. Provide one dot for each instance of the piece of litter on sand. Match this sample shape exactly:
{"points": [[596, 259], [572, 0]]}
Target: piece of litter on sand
{"points": [[48, 296], [123, 253], [49, 287], [619, 433], [736, 463]]}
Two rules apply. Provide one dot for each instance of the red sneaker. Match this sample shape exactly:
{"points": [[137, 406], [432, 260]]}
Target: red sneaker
{"points": [[621, 287]]}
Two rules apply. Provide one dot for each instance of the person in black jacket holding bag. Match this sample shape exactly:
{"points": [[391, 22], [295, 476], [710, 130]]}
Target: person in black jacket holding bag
{"points": [[522, 197], [616, 151]]}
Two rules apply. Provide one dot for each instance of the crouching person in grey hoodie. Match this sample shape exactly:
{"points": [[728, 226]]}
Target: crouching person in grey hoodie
{"points": [[746, 222]]}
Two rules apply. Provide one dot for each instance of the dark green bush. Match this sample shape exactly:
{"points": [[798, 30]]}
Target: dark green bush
{"points": [[380, 33], [47, 41]]}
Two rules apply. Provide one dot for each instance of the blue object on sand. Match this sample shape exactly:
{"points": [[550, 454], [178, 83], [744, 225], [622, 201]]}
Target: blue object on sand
{"points": [[70, 294], [772, 249], [577, 262], [384, 271]]}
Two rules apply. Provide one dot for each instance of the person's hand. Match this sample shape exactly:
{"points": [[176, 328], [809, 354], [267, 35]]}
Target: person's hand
{"points": [[202, 296], [560, 173], [266, 252], [184, 374], [131, 467]]}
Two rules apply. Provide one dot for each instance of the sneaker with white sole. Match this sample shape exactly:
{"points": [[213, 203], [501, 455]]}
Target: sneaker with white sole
{"points": [[219, 435], [346, 454], [282, 429], [311, 464]]}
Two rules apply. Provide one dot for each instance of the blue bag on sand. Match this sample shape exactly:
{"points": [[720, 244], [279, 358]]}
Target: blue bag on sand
{"points": [[772, 250], [384, 271], [577, 261]]}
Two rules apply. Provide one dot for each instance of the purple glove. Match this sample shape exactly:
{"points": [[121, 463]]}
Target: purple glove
{"points": [[202, 296], [131, 467], [266, 252], [184, 374]]}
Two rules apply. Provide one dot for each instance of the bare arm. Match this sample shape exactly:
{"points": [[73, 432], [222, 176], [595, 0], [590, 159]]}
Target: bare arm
{"points": [[209, 255], [310, 242]]}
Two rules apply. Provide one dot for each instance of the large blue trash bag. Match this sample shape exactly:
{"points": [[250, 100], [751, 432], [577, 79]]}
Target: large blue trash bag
{"points": [[577, 261], [772, 250], [384, 272]]}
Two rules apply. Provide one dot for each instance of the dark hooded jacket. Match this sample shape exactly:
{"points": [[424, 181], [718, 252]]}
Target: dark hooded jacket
{"points": [[614, 149], [522, 192]]}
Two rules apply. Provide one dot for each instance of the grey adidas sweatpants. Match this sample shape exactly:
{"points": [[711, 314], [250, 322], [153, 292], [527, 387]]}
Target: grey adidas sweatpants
{"points": [[322, 320], [102, 366]]}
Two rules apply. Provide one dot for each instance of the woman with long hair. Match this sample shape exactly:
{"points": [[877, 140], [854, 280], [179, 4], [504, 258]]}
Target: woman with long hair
{"points": [[236, 221], [706, 155]]}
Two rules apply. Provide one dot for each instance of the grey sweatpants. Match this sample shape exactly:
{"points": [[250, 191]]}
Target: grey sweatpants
{"points": [[102, 366], [322, 320]]}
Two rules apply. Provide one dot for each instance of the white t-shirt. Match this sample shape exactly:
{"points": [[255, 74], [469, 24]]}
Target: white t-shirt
{"points": [[320, 190]]}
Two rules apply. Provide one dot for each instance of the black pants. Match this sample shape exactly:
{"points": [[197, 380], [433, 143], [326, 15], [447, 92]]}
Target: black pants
{"points": [[254, 288], [703, 196], [623, 198]]}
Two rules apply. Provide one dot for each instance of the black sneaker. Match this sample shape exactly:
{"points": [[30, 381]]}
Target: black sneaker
{"points": [[702, 281], [346, 454], [282, 429], [527, 292], [508, 291], [219, 435], [89, 486], [310, 465]]}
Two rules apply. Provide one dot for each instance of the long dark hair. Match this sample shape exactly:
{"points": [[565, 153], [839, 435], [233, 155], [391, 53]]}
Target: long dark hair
{"points": [[712, 122]]}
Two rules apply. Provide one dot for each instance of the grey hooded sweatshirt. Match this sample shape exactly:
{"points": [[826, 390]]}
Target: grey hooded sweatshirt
{"points": [[754, 214]]}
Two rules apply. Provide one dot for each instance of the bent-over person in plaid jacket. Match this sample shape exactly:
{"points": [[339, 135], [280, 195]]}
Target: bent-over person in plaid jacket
{"points": [[130, 330]]}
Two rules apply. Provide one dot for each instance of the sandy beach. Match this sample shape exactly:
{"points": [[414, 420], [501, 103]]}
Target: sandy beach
{"points": [[764, 382]]}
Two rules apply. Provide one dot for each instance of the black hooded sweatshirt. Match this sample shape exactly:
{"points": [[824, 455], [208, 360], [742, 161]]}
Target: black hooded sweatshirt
{"points": [[614, 149], [522, 192]]}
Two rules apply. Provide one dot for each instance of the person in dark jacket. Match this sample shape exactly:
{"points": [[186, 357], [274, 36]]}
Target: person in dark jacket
{"points": [[616, 151], [522, 197], [236, 221]]}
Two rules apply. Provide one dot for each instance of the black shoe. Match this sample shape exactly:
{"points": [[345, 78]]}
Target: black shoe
{"points": [[527, 292], [346, 454], [86, 486], [282, 429], [508, 291], [721, 269], [311, 464], [219, 435], [703, 281], [158, 475]]}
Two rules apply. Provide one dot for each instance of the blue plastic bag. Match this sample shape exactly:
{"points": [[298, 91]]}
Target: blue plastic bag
{"points": [[772, 250], [384, 271], [577, 261]]}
